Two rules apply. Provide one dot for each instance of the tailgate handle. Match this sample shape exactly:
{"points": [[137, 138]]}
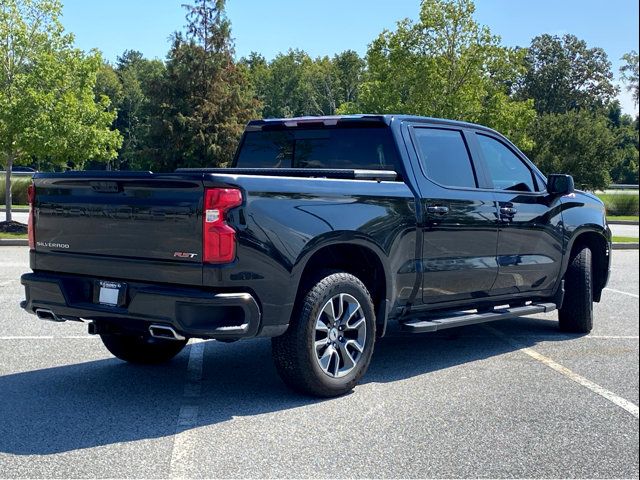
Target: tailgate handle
{"points": [[508, 211], [437, 209], [105, 187]]}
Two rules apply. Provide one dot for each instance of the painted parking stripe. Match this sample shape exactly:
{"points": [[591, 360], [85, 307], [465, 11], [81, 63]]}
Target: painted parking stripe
{"points": [[630, 337], [621, 292], [560, 336], [48, 337], [184, 442], [594, 387]]}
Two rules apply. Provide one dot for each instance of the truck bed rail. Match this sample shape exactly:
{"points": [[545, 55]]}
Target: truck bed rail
{"points": [[338, 173]]}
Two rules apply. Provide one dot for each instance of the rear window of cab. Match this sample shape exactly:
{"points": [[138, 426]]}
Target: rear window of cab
{"points": [[349, 148]]}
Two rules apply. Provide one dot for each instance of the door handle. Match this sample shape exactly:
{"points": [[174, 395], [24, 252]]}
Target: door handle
{"points": [[438, 209], [508, 211]]}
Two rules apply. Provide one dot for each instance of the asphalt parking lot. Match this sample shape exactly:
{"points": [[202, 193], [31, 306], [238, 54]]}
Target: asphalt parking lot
{"points": [[515, 399]]}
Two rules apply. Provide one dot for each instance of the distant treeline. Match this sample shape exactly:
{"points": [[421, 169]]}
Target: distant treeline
{"points": [[555, 98]]}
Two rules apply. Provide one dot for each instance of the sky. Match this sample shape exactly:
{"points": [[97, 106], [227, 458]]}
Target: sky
{"points": [[326, 27]]}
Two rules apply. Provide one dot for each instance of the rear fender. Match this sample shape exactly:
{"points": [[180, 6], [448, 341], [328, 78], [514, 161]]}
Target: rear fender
{"points": [[348, 239]]}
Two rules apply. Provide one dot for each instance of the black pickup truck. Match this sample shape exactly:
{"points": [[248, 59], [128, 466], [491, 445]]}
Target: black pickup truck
{"points": [[322, 232]]}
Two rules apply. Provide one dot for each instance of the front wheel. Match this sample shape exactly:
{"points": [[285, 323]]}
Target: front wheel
{"points": [[142, 349], [576, 314], [329, 343]]}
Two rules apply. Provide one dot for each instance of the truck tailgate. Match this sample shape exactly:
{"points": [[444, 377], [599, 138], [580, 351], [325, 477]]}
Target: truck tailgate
{"points": [[139, 215]]}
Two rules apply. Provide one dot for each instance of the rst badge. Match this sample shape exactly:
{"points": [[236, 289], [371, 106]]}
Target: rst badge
{"points": [[184, 255]]}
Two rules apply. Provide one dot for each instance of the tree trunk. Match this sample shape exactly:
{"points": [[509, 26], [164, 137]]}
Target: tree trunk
{"points": [[7, 184]]}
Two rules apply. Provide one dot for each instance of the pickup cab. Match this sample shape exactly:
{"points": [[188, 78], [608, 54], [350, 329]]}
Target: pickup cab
{"points": [[323, 231]]}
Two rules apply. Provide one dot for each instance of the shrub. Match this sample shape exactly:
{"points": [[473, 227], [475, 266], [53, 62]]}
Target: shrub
{"points": [[18, 190], [620, 203]]}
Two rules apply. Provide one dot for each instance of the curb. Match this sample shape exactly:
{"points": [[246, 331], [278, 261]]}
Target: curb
{"points": [[618, 222], [14, 210], [18, 242], [626, 246]]}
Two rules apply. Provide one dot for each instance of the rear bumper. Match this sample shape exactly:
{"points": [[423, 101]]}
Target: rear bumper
{"points": [[192, 312]]}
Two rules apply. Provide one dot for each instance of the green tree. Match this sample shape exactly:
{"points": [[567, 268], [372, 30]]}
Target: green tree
{"points": [[108, 85], [332, 82], [349, 69], [322, 84], [293, 84], [625, 130], [625, 169], [258, 72], [629, 72], [47, 104], [204, 99], [284, 90], [137, 77], [445, 65], [578, 142], [564, 74]]}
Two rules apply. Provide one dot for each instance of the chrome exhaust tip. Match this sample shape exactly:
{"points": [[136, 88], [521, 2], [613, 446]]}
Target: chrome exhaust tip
{"points": [[45, 314], [164, 332]]}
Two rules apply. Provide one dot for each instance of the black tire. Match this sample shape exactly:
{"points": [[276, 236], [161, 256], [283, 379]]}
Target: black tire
{"points": [[576, 314], [295, 353], [142, 349]]}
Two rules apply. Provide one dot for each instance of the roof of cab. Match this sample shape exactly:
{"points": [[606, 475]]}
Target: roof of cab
{"points": [[333, 120]]}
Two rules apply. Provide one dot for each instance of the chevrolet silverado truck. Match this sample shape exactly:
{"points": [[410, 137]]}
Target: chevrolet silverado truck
{"points": [[322, 232]]}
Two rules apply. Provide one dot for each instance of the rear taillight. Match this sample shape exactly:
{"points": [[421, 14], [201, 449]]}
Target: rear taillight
{"points": [[31, 195], [218, 237]]}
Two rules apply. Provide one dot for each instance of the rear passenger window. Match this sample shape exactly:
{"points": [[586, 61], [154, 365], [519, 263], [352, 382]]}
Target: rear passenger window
{"points": [[445, 157], [506, 170]]}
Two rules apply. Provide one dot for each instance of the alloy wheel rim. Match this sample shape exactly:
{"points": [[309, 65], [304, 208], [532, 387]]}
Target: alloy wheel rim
{"points": [[340, 335]]}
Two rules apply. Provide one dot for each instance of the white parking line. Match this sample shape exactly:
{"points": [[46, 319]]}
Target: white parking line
{"points": [[533, 336], [48, 337], [629, 337], [561, 336], [594, 387], [621, 292], [183, 440]]}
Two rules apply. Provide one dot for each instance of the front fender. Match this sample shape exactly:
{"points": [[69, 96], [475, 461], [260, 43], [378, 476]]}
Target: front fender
{"points": [[584, 217]]}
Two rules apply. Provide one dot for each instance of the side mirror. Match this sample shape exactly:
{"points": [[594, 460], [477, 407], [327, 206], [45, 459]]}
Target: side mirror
{"points": [[560, 184]]}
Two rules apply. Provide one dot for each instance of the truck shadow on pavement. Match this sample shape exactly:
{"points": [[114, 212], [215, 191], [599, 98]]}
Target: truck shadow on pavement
{"points": [[106, 401]]}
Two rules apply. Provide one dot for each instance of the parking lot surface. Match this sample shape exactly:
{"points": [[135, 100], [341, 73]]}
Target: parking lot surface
{"points": [[512, 399]]}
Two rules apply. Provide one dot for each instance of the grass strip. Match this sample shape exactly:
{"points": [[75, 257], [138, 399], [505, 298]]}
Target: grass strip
{"points": [[625, 239]]}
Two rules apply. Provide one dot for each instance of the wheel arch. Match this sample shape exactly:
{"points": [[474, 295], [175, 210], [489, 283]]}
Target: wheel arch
{"points": [[360, 257], [600, 246]]}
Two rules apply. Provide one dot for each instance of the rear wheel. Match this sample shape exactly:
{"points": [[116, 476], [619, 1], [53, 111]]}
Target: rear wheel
{"points": [[329, 343], [142, 349], [576, 314]]}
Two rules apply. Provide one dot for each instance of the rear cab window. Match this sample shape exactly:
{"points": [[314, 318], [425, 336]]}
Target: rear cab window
{"points": [[366, 148]]}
